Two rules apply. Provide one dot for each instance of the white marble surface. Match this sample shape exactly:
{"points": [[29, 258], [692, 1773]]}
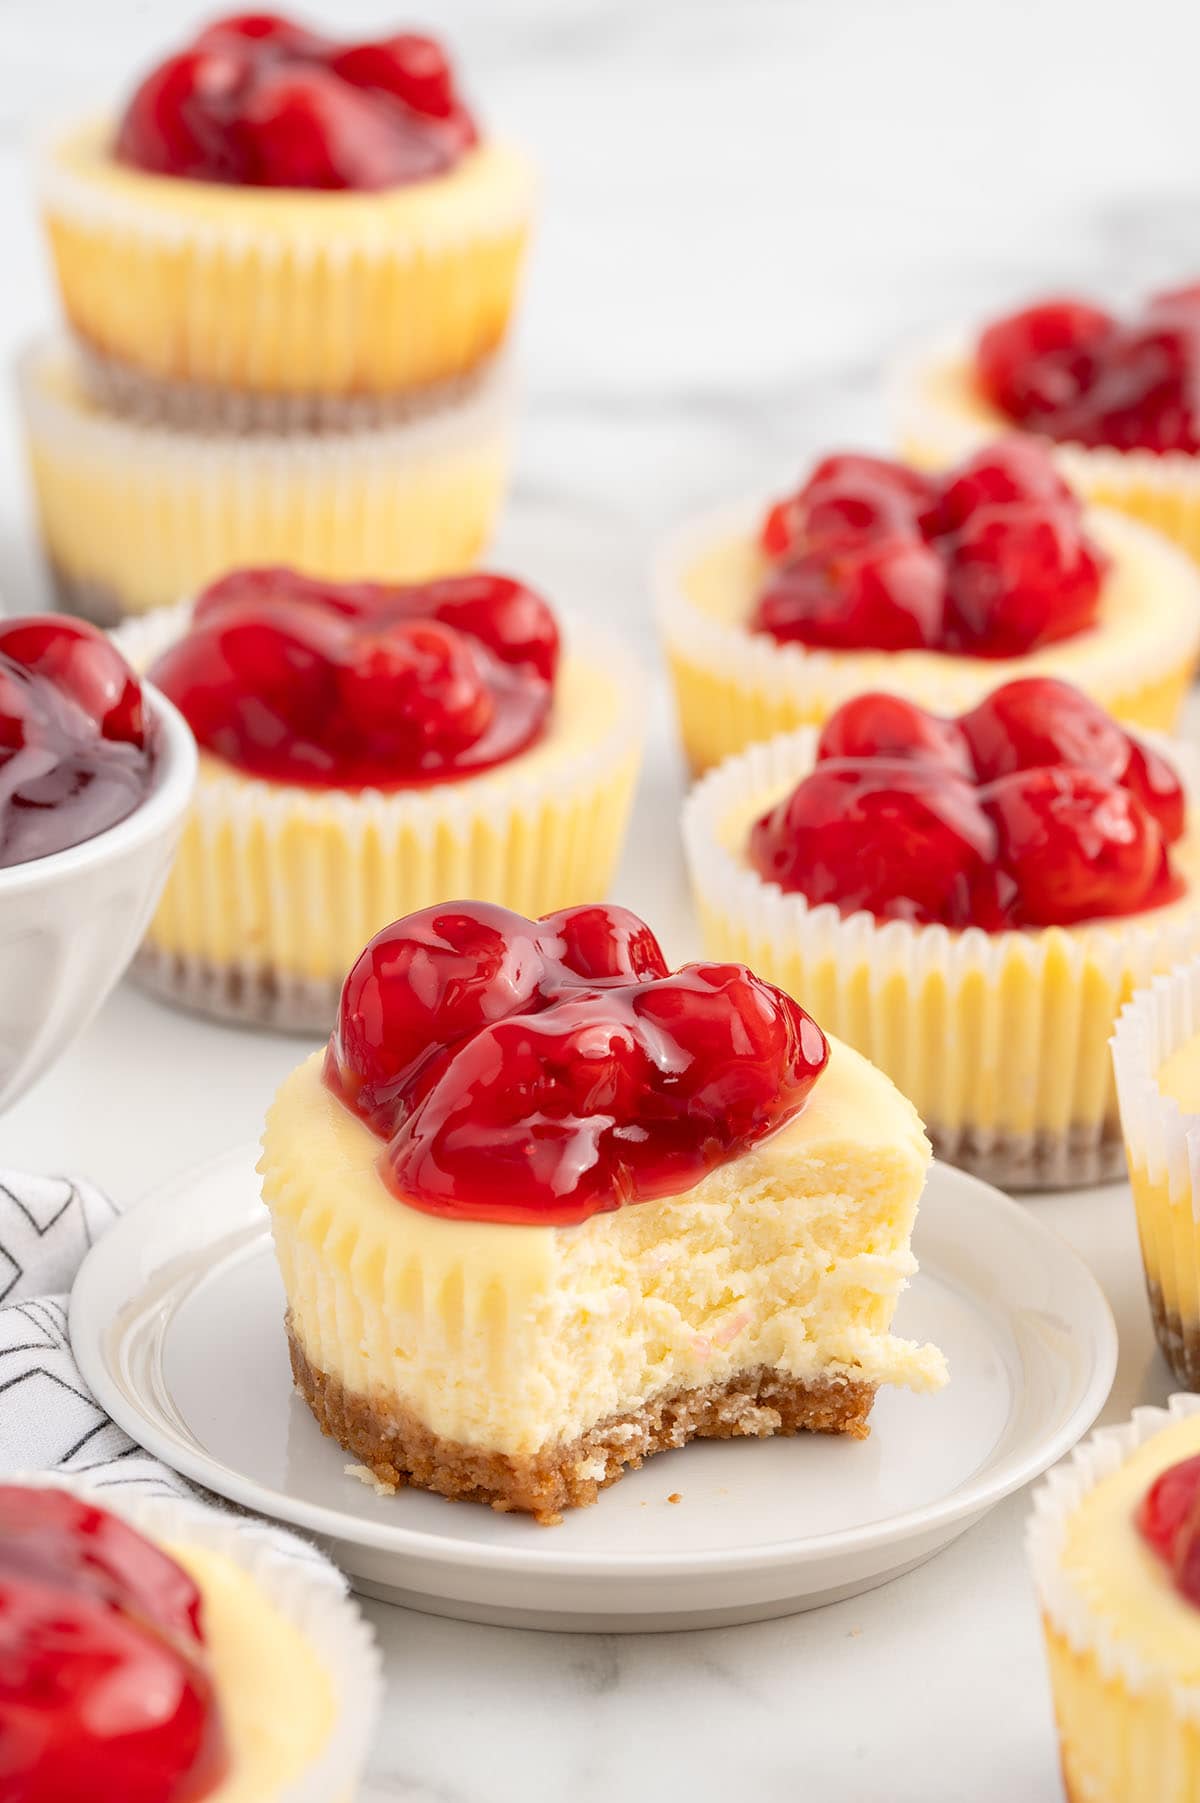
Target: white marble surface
{"points": [[749, 204]]}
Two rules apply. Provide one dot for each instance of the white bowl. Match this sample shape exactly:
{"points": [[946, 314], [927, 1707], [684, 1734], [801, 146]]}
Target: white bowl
{"points": [[70, 922]]}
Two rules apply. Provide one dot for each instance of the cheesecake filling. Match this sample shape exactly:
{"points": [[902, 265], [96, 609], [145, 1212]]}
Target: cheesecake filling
{"points": [[513, 1338]]}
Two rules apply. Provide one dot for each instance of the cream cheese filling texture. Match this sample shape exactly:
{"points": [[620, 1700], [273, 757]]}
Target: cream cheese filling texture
{"points": [[514, 1338]]}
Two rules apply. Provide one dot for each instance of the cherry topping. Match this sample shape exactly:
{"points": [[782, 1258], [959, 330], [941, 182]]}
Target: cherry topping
{"points": [[543, 1071], [888, 726], [1168, 1519], [1077, 846], [1021, 576], [1034, 809], [105, 1687], [1041, 720], [848, 498], [260, 101], [1037, 358], [360, 685], [76, 750], [903, 841], [990, 563], [1072, 372], [887, 594], [1004, 474]]}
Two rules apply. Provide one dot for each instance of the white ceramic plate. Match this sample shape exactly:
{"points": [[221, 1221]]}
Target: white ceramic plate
{"points": [[176, 1321]]}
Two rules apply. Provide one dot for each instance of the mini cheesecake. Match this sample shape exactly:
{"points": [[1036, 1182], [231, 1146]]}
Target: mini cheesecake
{"points": [[156, 1651], [1114, 1543], [287, 228], [1112, 396], [543, 1209], [938, 587], [968, 899]]}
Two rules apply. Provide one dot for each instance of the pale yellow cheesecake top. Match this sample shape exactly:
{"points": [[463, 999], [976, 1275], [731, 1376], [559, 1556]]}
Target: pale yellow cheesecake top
{"points": [[1148, 619], [276, 1698], [1121, 1578], [1179, 1075], [490, 187], [514, 1338]]}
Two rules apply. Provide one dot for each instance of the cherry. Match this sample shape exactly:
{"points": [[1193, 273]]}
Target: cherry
{"points": [[1041, 355], [418, 688], [105, 1689], [83, 665], [1020, 577], [1042, 720], [300, 127], [848, 498], [544, 1070], [267, 34], [1010, 471], [413, 71], [887, 726], [1168, 1503], [1156, 785], [886, 594], [179, 119], [602, 943], [1077, 846], [358, 685], [900, 840], [258, 100]]}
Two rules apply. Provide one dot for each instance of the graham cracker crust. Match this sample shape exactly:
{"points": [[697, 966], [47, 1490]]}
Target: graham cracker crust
{"points": [[1179, 1345], [249, 998], [1079, 1158], [400, 1450]]}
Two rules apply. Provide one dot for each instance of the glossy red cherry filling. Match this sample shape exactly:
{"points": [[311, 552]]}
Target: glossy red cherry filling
{"points": [[105, 1686], [1168, 1519], [76, 743], [989, 561], [1035, 809], [545, 1071], [258, 101], [1073, 372], [359, 685]]}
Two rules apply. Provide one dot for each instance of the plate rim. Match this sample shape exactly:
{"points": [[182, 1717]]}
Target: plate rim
{"points": [[982, 1492]]}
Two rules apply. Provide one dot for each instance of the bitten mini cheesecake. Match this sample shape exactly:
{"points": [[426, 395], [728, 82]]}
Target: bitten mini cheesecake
{"points": [[1114, 395], [1114, 1544], [276, 216], [544, 1208], [153, 1652], [873, 575], [969, 900], [365, 749]]}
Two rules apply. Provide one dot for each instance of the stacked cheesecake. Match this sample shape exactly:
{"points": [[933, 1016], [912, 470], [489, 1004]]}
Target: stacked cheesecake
{"points": [[288, 268]]}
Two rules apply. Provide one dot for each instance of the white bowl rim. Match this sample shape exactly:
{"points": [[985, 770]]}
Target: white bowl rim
{"points": [[174, 778]]}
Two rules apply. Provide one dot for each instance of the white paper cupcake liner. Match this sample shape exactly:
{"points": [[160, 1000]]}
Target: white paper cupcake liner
{"points": [[1162, 1141], [938, 418], [1066, 1609], [133, 515], [309, 1593], [734, 686], [999, 1039], [277, 888]]}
